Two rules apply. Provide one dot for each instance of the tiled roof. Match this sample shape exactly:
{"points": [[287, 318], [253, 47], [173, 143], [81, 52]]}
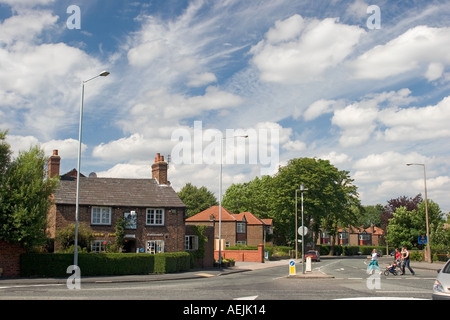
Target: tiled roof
{"points": [[117, 192], [249, 217], [207, 214], [213, 211]]}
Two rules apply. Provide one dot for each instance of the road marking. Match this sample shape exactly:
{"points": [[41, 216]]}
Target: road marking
{"points": [[246, 298], [206, 275], [32, 285]]}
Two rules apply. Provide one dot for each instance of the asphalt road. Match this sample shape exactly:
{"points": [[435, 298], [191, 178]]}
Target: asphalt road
{"points": [[350, 281]]}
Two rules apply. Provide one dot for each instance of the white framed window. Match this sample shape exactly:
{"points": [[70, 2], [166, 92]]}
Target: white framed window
{"points": [[101, 215], [154, 217], [155, 246], [190, 243], [241, 242], [343, 235], [240, 227], [98, 246], [364, 236]]}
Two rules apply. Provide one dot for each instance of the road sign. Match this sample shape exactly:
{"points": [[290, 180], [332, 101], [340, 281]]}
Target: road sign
{"points": [[422, 239], [300, 230], [292, 267]]}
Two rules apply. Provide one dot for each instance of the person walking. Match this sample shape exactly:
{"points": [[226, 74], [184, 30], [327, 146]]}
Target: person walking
{"points": [[405, 258], [373, 265]]}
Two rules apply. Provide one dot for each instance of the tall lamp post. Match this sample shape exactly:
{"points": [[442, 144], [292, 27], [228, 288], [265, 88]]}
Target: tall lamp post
{"points": [[426, 208], [77, 205], [220, 195], [302, 188]]}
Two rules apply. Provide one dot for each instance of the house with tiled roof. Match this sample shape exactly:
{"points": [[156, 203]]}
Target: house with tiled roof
{"points": [[243, 228], [153, 212], [354, 236]]}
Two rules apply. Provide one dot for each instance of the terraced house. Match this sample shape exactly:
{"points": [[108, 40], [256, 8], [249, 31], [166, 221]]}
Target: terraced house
{"points": [[153, 211]]}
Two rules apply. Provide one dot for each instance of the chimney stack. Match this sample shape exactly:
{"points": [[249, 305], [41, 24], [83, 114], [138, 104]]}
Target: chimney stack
{"points": [[53, 164], [159, 169]]}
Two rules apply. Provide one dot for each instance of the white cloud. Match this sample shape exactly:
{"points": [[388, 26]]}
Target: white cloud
{"points": [[295, 52], [199, 80], [425, 123], [321, 107], [356, 122], [39, 82], [421, 48]]}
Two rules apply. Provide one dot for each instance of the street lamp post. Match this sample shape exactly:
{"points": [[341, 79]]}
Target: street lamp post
{"points": [[77, 202], [302, 188], [220, 196], [426, 208]]}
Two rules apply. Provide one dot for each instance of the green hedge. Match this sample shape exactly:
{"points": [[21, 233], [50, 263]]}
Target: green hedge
{"points": [[350, 250], [103, 264]]}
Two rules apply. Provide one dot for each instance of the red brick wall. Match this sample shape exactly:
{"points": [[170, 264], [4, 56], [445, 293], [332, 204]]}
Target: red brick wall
{"points": [[242, 255], [172, 232], [10, 259]]}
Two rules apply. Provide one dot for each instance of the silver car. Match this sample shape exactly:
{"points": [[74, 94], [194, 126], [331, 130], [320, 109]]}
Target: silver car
{"points": [[441, 287]]}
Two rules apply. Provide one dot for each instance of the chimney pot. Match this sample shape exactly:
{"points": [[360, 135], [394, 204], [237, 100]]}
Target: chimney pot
{"points": [[53, 164], [159, 169]]}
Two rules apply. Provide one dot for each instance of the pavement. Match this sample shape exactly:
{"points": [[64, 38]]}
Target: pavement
{"points": [[196, 273]]}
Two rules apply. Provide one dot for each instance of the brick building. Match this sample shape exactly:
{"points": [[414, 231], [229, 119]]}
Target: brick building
{"points": [[243, 228], [353, 236], [153, 212]]}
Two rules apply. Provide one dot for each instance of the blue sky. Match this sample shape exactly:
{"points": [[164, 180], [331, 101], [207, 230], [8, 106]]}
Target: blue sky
{"points": [[369, 100]]}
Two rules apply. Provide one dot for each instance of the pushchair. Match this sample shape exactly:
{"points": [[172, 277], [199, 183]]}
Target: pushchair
{"points": [[391, 269]]}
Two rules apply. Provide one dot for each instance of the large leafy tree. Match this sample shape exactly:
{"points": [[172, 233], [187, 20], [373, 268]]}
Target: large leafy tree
{"points": [[254, 196], [196, 199], [407, 225], [25, 196], [328, 202]]}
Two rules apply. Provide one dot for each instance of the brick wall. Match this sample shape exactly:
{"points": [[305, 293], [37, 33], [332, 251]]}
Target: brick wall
{"points": [[10, 259], [242, 255], [172, 233], [255, 234], [208, 259]]}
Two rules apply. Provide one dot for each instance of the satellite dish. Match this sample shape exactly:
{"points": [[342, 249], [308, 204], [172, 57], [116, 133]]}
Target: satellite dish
{"points": [[92, 175]]}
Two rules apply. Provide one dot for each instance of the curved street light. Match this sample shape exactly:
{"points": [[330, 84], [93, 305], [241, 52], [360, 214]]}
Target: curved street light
{"points": [[77, 201]]}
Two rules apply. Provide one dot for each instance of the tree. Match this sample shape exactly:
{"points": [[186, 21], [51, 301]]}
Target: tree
{"points": [[393, 204], [25, 196], [407, 225], [328, 201], [196, 199], [370, 215], [254, 196]]}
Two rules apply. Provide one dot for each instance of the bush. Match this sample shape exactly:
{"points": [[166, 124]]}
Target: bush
{"points": [[103, 264]]}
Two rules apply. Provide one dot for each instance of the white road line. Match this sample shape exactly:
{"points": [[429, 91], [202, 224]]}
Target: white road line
{"points": [[32, 285]]}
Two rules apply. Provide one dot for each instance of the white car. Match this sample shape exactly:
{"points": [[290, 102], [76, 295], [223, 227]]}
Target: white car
{"points": [[441, 287]]}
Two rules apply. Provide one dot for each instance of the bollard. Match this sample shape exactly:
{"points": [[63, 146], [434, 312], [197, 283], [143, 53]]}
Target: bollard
{"points": [[292, 267], [308, 264]]}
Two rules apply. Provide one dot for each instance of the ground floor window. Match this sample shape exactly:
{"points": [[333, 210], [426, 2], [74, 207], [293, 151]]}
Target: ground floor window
{"points": [[190, 243], [155, 246], [98, 246]]}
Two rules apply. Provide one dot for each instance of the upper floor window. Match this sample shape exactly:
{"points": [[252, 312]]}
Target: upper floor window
{"points": [[240, 227], [155, 217], [101, 215], [130, 220]]}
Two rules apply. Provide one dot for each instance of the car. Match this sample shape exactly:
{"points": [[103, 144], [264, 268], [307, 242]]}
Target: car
{"points": [[313, 254], [441, 287]]}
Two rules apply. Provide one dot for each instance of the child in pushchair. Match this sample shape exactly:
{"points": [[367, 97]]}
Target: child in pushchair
{"points": [[391, 269]]}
